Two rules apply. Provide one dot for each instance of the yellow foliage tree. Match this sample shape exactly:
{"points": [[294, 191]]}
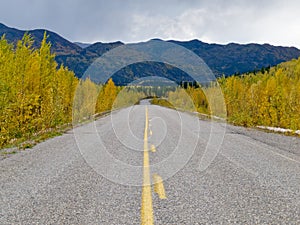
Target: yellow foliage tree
{"points": [[34, 94], [106, 97]]}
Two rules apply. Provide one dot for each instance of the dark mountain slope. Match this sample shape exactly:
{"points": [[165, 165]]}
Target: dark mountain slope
{"points": [[82, 45], [60, 45], [80, 62], [235, 58], [222, 59], [100, 48]]}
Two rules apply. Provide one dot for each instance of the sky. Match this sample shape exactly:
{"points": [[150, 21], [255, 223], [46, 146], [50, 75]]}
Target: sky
{"points": [[275, 22]]}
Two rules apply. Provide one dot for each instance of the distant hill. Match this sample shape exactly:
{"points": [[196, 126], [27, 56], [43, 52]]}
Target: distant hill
{"points": [[82, 45], [236, 58], [222, 59], [60, 45], [80, 62], [100, 48]]}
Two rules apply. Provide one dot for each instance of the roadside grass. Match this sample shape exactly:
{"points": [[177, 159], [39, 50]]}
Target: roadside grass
{"points": [[162, 102], [165, 103], [30, 140]]}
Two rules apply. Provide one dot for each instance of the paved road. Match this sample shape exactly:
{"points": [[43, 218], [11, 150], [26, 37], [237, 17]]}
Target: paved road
{"points": [[95, 174]]}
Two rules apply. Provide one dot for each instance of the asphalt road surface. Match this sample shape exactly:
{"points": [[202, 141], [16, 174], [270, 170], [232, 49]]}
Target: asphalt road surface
{"points": [[152, 165]]}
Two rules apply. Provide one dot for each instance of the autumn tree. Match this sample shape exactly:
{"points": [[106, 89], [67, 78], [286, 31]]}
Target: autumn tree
{"points": [[34, 94]]}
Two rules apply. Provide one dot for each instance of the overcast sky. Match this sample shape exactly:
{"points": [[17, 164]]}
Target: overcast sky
{"points": [[215, 21]]}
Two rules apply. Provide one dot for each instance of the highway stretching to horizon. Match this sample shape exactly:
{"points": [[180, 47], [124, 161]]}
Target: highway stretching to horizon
{"points": [[142, 165]]}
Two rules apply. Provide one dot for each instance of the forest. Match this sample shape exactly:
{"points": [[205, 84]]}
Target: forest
{"points": [[269, 97], [36, 95]]}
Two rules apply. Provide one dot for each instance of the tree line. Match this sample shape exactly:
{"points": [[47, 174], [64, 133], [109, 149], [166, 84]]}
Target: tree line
{"points": [[36, 95], [269, 97]]}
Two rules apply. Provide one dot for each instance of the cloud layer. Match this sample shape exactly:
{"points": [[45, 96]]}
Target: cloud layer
{"points": [[276, 22]]}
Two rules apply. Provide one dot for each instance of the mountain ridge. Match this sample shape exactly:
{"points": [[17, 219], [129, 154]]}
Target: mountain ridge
{"points": [[250, 57], [223, 59], [82, 45]]}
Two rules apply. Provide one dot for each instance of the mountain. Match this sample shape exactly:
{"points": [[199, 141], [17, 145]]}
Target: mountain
{"points": [[70, 54], [100, 48], [80, 62], [222, 59], [82, 45], [236, 58], [60, 45]]}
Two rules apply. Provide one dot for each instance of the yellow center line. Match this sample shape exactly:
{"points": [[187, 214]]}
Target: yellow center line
{"points": [[146, 208]]}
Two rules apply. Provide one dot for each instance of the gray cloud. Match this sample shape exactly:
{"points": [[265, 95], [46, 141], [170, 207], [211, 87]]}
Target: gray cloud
{"points": [[276, 22]]}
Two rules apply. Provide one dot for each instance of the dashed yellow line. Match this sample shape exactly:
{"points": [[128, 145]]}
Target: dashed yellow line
{"points": [[146, 208], [153, 149], [159, 186]]}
